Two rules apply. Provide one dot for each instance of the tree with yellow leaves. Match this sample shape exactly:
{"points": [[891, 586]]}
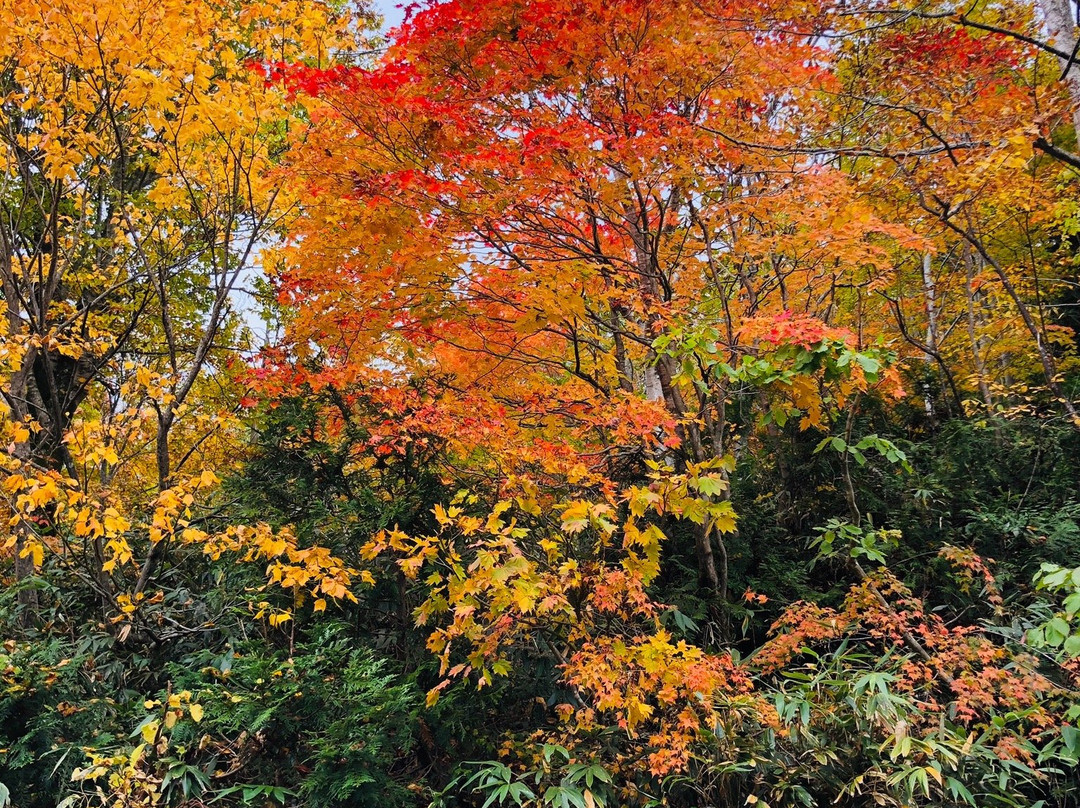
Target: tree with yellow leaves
{"points": [[138, 143]]}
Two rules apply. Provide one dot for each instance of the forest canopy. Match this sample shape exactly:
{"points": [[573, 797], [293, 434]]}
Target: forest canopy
{"points": [[556, 403]]}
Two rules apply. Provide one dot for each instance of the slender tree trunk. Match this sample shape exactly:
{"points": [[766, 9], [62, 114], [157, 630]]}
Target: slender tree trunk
{"points": [[1061, 34], [161, 450], [652, 384], [623, 366], [17, 395], [930, 294], [164, 470], [976, 342], [24, 569]]}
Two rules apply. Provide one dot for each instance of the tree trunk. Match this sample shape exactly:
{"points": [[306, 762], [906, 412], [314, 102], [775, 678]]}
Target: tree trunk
{"points": [[976, 342], [930, 294], [1061, 34]]}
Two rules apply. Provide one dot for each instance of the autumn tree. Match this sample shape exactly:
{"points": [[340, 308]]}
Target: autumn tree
{"points": [[556, 229], [138, 145]]}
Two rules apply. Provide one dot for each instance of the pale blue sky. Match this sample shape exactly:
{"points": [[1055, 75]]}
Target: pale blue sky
{"points": [[389, 10]]}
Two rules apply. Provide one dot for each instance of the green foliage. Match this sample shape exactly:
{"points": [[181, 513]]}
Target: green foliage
{"points": [[557, 782], [842, 539], [330, 722], [1060, 631], [50, 704]]}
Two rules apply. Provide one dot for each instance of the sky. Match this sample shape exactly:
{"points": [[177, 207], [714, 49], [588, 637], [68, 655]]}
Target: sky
{"points": [[389, 10]]}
